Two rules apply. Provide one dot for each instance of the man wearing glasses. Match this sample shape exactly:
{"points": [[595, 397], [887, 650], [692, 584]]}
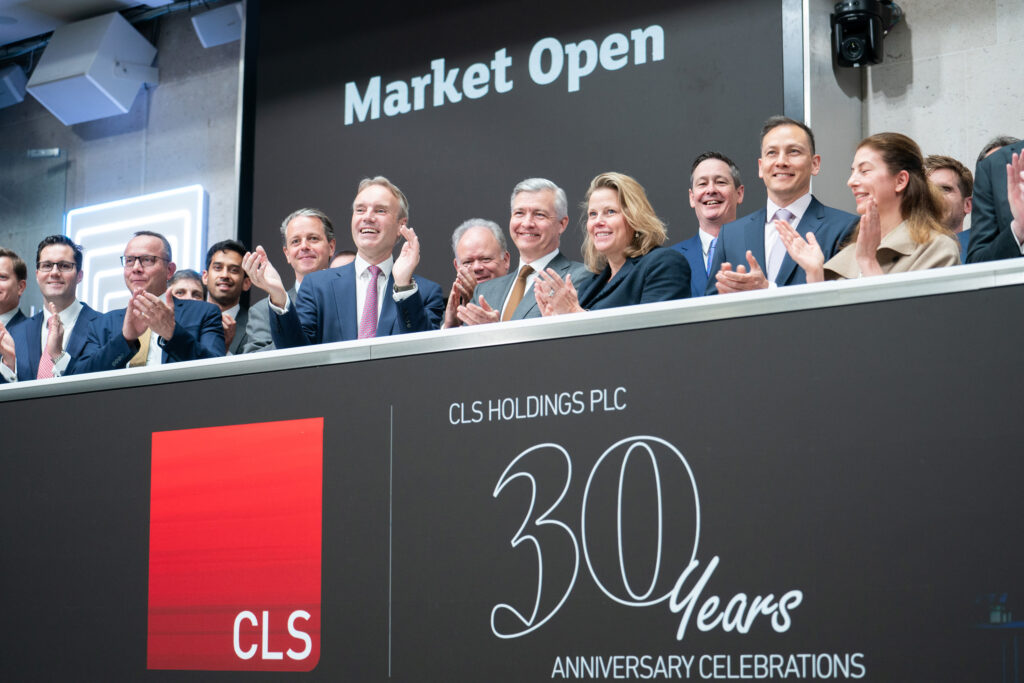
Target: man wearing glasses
{"points": [[154, 328], [49, 343]]}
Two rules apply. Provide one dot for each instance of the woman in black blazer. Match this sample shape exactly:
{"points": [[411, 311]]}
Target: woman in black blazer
{"points": [[623, 248]]}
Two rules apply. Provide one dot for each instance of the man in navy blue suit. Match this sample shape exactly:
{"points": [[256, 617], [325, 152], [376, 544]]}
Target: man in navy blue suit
{"points": [[155, 328], [377, 295], [715, 192], [997, 229], [50, 343], [786, 165]]}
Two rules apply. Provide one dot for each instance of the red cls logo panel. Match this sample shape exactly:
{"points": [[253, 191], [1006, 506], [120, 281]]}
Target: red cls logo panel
{"points": [[234, 547]]}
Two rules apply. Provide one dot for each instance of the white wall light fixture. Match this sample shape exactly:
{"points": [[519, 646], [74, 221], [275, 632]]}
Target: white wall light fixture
{"points": [[103, 230]]}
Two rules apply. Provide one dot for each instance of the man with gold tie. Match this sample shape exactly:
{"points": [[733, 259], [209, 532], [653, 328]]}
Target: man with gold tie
{"points": [[155, 328], [539, 217]]}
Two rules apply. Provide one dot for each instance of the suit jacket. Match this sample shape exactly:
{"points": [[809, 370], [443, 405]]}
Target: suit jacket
{"points": [[325, 310], [495, 291], [198, 333], [694, 253], [659, 275], [28, 342], [964, 238], [257, 329], [990, 234], [241, 330], [16, 320], [830, 226]]}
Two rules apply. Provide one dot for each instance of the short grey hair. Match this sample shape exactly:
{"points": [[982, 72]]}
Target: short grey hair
{"points": [[312, 213], [495, 229], [403, 203], [539, 185]]}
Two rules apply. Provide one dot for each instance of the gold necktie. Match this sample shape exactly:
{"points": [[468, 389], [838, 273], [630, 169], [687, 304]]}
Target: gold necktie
{"points": [[517, 293], [140, 358]]}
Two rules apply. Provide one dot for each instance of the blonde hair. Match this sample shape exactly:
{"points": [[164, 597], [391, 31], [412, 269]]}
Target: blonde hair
{"points": [[649, 231]]}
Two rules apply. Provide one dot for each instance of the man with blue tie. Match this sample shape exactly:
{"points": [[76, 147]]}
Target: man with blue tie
{"points": [[376, 295], [155, 328], [715, 193], [49, 343], [786, 165]]}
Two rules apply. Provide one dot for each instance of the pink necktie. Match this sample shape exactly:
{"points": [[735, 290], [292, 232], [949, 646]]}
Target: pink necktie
{"points": [[368, 322], [45, 362]]}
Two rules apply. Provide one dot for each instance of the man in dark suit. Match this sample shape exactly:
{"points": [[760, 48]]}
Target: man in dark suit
{"points": [[539, 217], [308, 242], [997, 230], [13, 280], [956, 185], [225, 281], [155, 328], [49, 343], [786, 165], [377, 295], [715, 192]]}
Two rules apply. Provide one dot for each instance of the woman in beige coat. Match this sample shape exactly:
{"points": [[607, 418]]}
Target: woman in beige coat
{"points": [[900, 227]]}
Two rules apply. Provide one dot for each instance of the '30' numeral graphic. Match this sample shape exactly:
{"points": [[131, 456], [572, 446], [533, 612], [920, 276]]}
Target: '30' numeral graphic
{"points": [[639, 482]]}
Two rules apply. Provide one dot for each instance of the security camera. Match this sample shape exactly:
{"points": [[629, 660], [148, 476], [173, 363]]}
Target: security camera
{"points": [[858, 27]]}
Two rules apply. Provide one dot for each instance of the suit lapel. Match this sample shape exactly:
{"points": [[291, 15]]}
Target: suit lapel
{"points": [[346, 316], [753, 233], [240, 323], [81, 331], [388, 310], [606, 290], [34, 329], [694, 253], [559, 264], [811, 222]]}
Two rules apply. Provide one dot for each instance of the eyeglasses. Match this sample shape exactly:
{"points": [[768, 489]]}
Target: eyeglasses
{"points": [[62, 266], [146, 260]]}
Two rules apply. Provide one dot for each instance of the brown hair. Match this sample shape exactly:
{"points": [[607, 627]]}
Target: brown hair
{"points": [[934, 162], [20, 269], [920, 204], [636, 209]]}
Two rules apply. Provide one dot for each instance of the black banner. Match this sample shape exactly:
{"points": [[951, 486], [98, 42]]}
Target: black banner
{"points": [[815, 495], [456, 102]]}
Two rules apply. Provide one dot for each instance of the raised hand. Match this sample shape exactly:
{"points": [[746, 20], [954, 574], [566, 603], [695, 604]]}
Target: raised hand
{"points": [[728, 281], [408, 258], [1015, 194], [806, 252], [461, 294], [471, 314], [262, 273], [869, 236], [554, 295], [55, 333], [7, 348]]}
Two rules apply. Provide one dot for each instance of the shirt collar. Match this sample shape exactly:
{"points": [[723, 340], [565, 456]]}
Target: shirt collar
{"points": [[539, 263], [798, 208], [362, 265], [705, 240]]}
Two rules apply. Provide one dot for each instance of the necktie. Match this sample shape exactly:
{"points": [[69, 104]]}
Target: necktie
{"points": [[517, 293], [778, 249], [711, 254], [140, 358], [368, 321], [45, 362]]}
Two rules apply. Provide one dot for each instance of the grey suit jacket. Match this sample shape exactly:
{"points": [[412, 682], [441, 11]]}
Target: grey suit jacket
{"points": [[257, 330], [241, 332], [497, 289]]}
